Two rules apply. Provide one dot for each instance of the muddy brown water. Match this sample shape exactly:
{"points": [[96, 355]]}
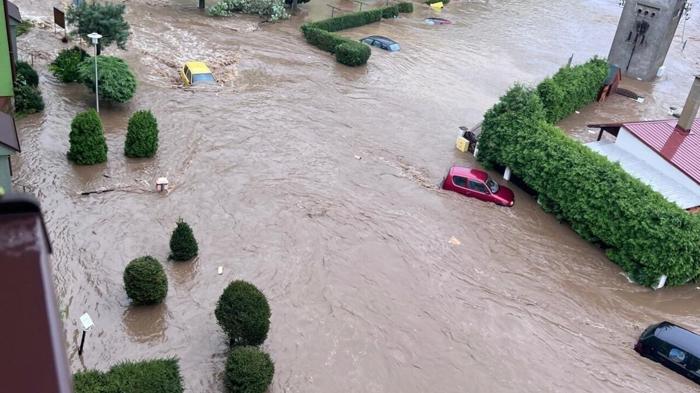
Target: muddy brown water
{"points": [[367, 292]]}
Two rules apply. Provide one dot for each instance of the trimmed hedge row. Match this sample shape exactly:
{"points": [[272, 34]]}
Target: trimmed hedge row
{"points": [[571, 88], [158, 375], [444, 2], [643, 233], [347, 51]]}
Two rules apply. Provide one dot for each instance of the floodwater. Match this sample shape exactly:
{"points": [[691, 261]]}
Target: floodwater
{"points": [[318, 183]]}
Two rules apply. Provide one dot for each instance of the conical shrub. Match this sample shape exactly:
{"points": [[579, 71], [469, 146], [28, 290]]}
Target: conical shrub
{"points": [[183, 245], [87, 140], [145, 281], [141, 135]]}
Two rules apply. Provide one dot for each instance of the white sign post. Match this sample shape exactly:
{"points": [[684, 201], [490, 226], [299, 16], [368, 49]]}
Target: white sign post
{"points": [[87, 323]]}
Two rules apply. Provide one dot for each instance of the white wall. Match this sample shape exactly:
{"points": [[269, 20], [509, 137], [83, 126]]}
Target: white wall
{"points": [[629, 142]]}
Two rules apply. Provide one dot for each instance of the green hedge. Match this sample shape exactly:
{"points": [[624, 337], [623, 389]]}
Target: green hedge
{"points": [[391, 11], [352, 53], [642, 232], [571, 88], [323, 39], [158, 375], [248, 370], [444, 2], [347, 21], [405, 7]]}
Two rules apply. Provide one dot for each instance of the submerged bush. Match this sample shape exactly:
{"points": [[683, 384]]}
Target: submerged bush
{"points": [[243, 313], [405, 7], [642, 232], [158, 375], [248, 370], [27, 98], [272, 9], [145, 281], [391, 11], [183, 245], [66, 66], [141, 135], [445, 2], [352, 53], [117, 82], [28, 73], [87, 140], [323, 39], [347, 21]]}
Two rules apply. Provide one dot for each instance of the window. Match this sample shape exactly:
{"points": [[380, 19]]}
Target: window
{"points": [[188, 74], [202, 78], [459, 181], [394, 47], [477, 186]]}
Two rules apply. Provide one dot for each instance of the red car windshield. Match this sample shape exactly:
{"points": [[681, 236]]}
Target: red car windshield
{"points": [[492, 185]]}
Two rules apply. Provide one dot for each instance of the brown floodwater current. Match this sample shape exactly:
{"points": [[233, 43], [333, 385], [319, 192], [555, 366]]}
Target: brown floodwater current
{"points": [[319, 184]]}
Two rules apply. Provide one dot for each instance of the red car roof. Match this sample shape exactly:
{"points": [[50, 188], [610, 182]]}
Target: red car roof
{"points": [[681, 150], [469, 173]]}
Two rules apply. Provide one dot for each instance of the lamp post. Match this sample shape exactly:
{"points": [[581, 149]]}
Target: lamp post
{"points": [[87, 323], [95, 38]]}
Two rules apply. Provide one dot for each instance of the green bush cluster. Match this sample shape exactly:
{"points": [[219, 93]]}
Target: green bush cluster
{"points": [[27, 97], [571, 88], [158, 375], [66, 66], [28, 73], [141, 135], [248, 370], [352, 53], [87, 141], [272, 9], [183, 245], [347, 51], [405, 7], [643, 233], [117, 82], [243, 313], [145, 281]]}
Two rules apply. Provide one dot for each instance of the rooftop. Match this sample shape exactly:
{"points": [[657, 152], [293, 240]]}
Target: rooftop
{"points": [[13, 12]]}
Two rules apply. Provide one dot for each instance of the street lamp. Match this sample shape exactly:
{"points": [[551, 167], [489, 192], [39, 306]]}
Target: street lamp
{"points": [[95, 38]]}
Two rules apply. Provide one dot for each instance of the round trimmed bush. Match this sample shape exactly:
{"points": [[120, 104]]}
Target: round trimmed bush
{"points": [[117, 82], [243, 313], [28, 73], [141, 135], [183, 245], [145, 281], [248, 370], [87, 141], [66, 66], [352, 53]]}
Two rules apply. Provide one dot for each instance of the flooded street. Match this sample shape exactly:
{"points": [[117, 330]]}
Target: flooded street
{"points": [[367, 292]]}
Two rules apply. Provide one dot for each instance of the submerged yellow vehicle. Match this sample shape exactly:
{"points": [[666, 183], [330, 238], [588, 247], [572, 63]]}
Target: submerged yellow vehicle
{"points": [[195, 73]]}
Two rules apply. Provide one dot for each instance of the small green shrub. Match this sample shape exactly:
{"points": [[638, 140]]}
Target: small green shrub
{"points": [[347, 21], [28, 73], [352, 53], [117, 82], [145, 281], [405, 7], [66, 66], [571, 88], [243, 313], [391, 11], [87, 140], [24, 27], [158, 375], [141, 135], [183, 245], [27, 98], [248, 370]]}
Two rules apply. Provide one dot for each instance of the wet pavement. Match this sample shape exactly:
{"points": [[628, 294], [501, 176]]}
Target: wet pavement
{"points": [[367, 293]]}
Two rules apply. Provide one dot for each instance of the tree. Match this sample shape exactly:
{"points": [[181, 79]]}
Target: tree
{"points": [[243, 313], [66, 66], [117, 82], [183, 245], [141, 135], [87, 141], [145, 281], [248, 370], [106, 19]]}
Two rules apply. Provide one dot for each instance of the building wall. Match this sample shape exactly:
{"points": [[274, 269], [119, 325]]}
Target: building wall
{"points": [[641, 55], [636, 147], [5, 65], [5, 177]]}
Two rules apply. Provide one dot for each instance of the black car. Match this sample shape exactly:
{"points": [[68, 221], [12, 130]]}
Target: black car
{"points": [[382, 42], [672, 346]]}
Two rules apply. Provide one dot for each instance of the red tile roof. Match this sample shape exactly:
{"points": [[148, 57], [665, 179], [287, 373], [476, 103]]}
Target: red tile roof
{"points": [[681, 150]]}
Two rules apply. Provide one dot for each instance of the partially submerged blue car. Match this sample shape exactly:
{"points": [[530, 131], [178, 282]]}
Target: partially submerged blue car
{"points": [[382, 42]]}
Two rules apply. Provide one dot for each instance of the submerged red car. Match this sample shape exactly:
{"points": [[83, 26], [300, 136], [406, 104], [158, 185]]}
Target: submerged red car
{"points": [[477, 184]]}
